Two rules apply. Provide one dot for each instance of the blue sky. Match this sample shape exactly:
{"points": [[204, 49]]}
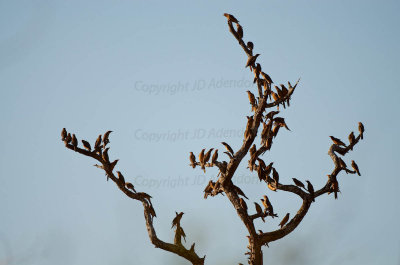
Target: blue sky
{"points": [[168, 78]]}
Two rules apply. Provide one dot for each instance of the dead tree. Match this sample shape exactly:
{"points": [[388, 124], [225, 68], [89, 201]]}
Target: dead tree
{"points": [[270, 96]]}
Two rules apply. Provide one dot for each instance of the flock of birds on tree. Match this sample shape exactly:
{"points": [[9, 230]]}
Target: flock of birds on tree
{"points": [[271, 126], [267, 173]]}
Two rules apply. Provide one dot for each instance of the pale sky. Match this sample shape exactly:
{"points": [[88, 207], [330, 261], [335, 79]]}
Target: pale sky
{"points": [[168, 78]]}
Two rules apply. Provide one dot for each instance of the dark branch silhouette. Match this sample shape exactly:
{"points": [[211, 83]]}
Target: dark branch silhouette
{"points": [[267, 98]]}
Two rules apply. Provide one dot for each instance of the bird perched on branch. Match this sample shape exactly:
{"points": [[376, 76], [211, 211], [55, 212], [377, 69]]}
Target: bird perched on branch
{"points": [[250, 45], [86, 145], [68, 139], [310, 189], [177, 219], [231, 18], [337, 141], [298, 183], [97, 144], [105, 155], [257, 72], [214, 157], [63, 134], [192, 159], [201, 159], [284, 220], [248, 126], [74, 141], [361, 129], [239, 31], [251, 61], [130, 186], [267, 77], [121, 178], [352, 139], [355, 167], [243, 204], [230, 150], [105, 137], [252, 100]]}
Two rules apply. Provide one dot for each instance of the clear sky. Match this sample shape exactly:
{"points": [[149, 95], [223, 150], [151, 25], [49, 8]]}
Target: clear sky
{"points": [[168, 78]]}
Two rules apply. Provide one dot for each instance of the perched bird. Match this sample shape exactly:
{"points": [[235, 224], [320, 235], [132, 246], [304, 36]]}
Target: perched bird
{"points": [[231, 18], [214, 157], [269, 168], [342, 163], [130, 186], [251, 61], [68, 138], [257, 72], [271, 114], [248, 126], [74, 141], [239, 191], [105, 137], [271, 186], [112, 165], [352, 139], [97, 143], [230, 150], [252, 100], [208, 189], [284, 220], [355, 167], [275, 130], [337, 141], [261, 163], [192, 160], [63, 134], [207, 155], [239, 31], [121, 178], [86, 145], [258, 208], [105, 155], [281, 122], [243, 204], [266, 77], [260, 173], [361, 129], [310, 189], [201, 159], [298, 183], [250, 45], [275, 175], [177, 219]]}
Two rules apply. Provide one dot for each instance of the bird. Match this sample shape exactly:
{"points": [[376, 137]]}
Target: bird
{"points": [[208, 189], [275, 130], [248, 126], [284, 220], [207, 155], [352, 139], [243, 204], [112, 165], [130, 186], [68, 138], [251, 61], [252, 100], [63, 134], [228, 148], [281, 122], [275, 175], [269, 168], [121, 178], [258, 208], [231, 18], [355, 167], [105, 137], [105, 155], [74, 141], [214, 157], [298, 183], [86, 145], [310, 189], [177, 219], [337, 141], [261, 163], [250, 45], [239, 191], [257, 72], [267, 77], [192, 159], [271, 186], [97, 143], [271, 114], [342, 163], [361, 129], [201, 159], [239, 31]]}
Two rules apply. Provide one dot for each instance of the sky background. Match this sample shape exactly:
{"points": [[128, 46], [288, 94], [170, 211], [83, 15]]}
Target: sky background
{"points": [[168, 78]]}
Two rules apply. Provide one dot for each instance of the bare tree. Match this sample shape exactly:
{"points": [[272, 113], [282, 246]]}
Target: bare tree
{"points": [[267, 99]]}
